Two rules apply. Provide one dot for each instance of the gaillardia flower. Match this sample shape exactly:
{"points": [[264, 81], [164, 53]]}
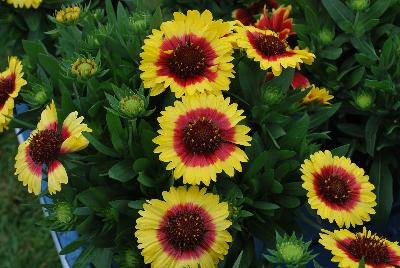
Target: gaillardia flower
{"points": [[186, 229], [266, 47], [338, 189], [44, 145], [25, 3], [348, 249], [279, 22], [199, 137], [320, 95], [190, 54], [84, 67], [11, 82]]}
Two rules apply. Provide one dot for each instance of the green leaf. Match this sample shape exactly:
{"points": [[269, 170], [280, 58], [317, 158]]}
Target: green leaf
{"points": [[340, 13], [265, 205], [116, 131], [282, 81], [33, 49], [141, 164], [355, 77], [110, 11], [365, 47], [276, 187], [156, 19], [386, 58], [375, 11], [85, 257], [331, 53], [146, 140], [100, 146], [74, 245], [95, 197], [102, 257], [341, 150], [323, 115], [296, 133], [371, 129], [287, 201], [137, 204], [382, 179], [51, 65], [146, 180], [294, 188], [238, 261], [122, 171], [250, 78]]}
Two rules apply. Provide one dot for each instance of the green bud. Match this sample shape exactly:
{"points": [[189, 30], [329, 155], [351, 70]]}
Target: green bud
{"points": [[273, 95], [291, 252], [84, 67], [138, 26], [40, 96], [363, 99], [63, 212], [326, 36], [132, 106], [358, 5]]}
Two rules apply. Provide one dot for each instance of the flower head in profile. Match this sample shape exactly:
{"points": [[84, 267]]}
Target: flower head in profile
{"points": [[279, 21], [11, 82], [199, 137], [271, 51], [338, 189], [319, 95], [25, 3], [246, 14], [189, 54], [45, 145], [349, 249], [188, 228], [299, 81]]}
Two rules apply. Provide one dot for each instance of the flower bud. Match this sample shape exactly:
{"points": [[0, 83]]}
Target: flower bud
{"points": [[363, 99], [272, 95], [84, 67], [68, 14], [358, 5], [40, 96], [63, 212], [326, 36], [291, 252], [132, 106]]}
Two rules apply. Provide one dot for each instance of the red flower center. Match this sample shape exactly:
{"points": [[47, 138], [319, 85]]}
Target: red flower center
{"points": [[269, 45], [188, 60], [185, 229], [373, 249], [44, 146], [201, 136], [335, 188], [7, 86]]}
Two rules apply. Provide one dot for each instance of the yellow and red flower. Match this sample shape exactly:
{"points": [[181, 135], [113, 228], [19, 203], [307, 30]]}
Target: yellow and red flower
{"points": [[190, 54], [338, 189], [186, 229], [279, 21], [43, 147], [199, 137], [25, 3], [348, 249], [319, 95], [266, 47], [11, 82]]}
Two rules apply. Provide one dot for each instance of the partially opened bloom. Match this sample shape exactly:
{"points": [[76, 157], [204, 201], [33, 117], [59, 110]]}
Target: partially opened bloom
{"points": [[199, 137], [68, 14], [186, 229], [11, 82], [348, 249], [299, 81], [279, 21], [25, 3], [189, 54], [246, 15], [266, 47], [338, 189], [44, 146], [319, 95]]}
